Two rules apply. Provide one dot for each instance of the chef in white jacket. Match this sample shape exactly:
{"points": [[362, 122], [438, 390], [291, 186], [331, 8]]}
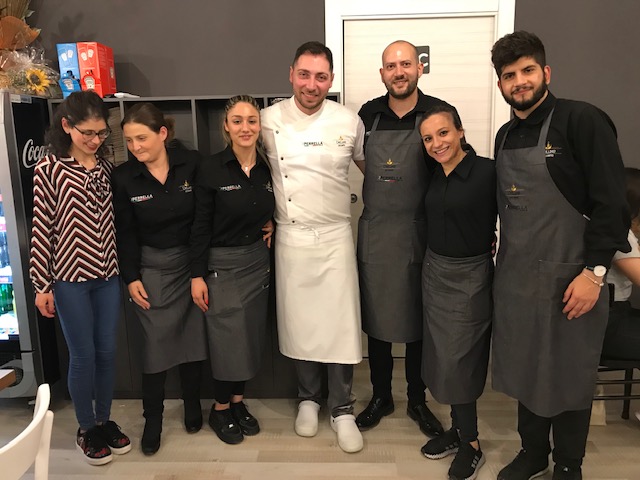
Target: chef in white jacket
{"points": [[310, 143]]}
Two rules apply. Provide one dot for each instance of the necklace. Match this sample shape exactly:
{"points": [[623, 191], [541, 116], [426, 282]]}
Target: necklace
{"points": [[246, 168]]}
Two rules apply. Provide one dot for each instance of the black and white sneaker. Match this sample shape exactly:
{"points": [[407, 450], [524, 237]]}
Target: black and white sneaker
{"points": [[467, 463], [526, 466], [442, 445]]}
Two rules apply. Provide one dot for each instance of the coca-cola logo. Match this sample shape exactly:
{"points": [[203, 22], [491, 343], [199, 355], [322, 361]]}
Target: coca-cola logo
{"points": [[31, 153]]}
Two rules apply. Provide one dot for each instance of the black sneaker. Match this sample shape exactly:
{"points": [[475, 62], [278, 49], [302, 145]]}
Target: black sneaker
{"points": [[225, 426], [426, 420], [93, 447], [525, 466], [118, 442], [561, 472], [248, 423], [442, 445], [467, 463]]}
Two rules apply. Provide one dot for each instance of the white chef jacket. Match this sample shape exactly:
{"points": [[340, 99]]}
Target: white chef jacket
{"points": [[317, 192], [317, 293]]}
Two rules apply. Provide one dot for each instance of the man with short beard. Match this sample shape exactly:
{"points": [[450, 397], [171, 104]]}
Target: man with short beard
{"points": [[562, 217], [392, 234]]}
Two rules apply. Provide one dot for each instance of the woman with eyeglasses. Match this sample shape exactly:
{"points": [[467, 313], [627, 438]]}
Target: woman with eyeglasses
{"points": [[74, 264], [155, 207]]}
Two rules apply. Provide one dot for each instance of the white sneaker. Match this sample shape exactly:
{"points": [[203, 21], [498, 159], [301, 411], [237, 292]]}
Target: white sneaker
{"points": [[307, 420], [349, 437]]}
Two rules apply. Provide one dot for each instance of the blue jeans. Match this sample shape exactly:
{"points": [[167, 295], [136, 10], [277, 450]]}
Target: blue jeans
{"points": [[89, 313]]}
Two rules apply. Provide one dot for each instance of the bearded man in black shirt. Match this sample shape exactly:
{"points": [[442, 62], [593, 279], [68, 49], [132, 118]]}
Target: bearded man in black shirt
{"points": [[562, 217]]}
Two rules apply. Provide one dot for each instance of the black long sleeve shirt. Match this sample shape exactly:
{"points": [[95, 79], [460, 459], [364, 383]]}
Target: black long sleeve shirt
{"points": [[150, 213], [231, 208], [461, 208], [584, 162]]}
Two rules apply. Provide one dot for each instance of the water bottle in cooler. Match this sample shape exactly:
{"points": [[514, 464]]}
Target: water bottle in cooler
{"points": [[4, 251]]}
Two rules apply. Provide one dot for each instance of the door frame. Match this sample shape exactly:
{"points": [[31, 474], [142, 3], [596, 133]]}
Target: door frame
{"points": [[339, 11]]}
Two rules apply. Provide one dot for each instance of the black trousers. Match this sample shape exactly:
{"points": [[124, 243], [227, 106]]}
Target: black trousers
{"points": [[153, 388], [464, 417], [224, 390], [570, 430], [381, 368]]}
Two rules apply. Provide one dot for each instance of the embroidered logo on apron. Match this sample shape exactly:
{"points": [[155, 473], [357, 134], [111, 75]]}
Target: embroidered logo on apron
{"points": [[389, 166], [515, 194], [550, 151]]}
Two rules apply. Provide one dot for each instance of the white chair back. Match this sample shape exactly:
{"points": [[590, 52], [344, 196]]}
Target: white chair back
{"points": [[32, 445]]}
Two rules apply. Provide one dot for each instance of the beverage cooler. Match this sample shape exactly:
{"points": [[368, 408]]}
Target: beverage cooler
{"points": [[27, 340]]}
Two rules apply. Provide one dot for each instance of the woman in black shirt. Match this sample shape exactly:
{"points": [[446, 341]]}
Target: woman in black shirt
{"points": [[230, 263], [456, 284], [154, 208]]}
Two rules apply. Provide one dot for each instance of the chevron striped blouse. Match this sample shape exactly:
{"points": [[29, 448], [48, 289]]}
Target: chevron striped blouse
{"points": [[73, 234]]}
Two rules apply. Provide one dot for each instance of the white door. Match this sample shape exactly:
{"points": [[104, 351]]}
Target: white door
{"points": [[459, 35], [458, 70]]}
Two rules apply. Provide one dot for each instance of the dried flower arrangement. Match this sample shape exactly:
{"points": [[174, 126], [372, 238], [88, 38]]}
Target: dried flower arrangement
{"points": [[23, 68]]}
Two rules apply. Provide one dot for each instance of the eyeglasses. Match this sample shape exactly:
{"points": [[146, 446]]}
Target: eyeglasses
{"points": [[89, 134]]}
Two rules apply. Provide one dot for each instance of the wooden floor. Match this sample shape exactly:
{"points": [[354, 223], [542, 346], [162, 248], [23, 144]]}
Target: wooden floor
{"points": [[391, 451]]}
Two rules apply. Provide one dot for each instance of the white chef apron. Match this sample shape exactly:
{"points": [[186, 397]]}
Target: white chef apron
{"points": [[317, 294]]}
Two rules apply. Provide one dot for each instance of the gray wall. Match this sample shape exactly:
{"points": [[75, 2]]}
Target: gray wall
{"points": [[206, 47], [188, 47], [593, 48]]}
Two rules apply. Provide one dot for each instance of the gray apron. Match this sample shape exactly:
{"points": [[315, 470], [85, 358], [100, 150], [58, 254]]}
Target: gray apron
{"points": [[539, 357], [173, 328], [457, 301], [392, 235], [238, 283]]}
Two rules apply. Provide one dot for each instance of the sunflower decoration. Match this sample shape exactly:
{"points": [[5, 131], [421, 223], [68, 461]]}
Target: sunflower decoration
{"points": [[23, 68], [37, 80]]}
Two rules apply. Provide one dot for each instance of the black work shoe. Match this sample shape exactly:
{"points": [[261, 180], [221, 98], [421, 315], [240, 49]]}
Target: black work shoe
{"points": [[192, 415], [467, 463], [118, 442], [442, 445], [248, 423], [427, 421], [561, 472], [370, 417], [150, 442], [93, 447], [525, 466], [225, 426]]}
